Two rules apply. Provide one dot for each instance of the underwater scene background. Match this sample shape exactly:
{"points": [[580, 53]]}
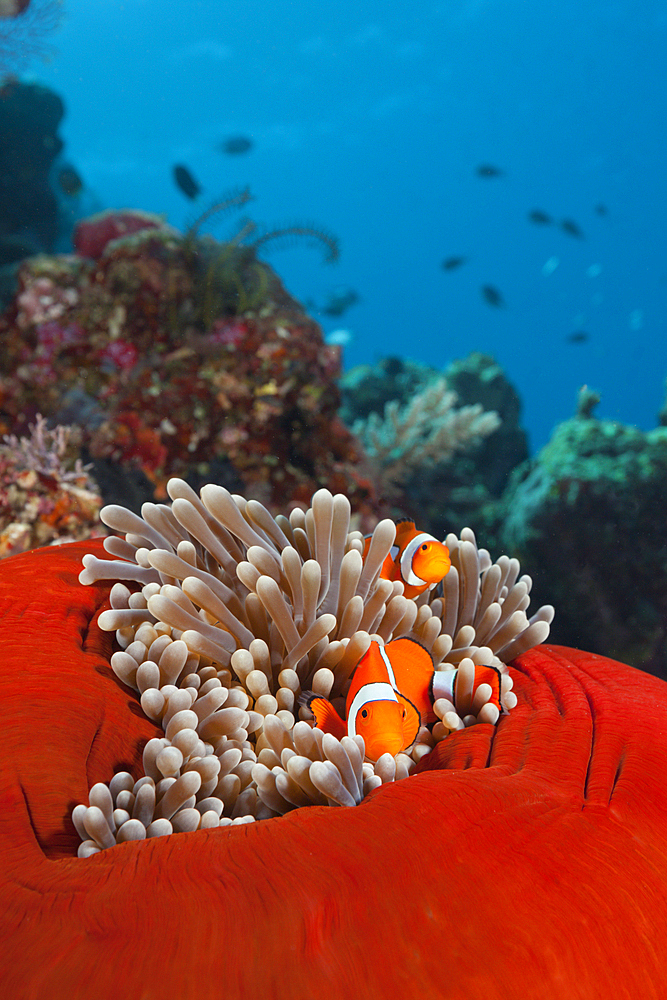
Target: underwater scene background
{"points": [[476, 190]]}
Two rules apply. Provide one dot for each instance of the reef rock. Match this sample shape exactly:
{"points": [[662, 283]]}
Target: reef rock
{"points": [[586, 518], [466, 487], [29, 143], [177, 356], [46, 495]]}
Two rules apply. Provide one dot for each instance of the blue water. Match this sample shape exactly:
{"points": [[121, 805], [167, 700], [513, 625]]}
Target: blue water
{"points": [[372, 122]]}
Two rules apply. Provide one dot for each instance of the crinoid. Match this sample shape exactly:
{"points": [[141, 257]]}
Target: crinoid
{"points": [[230, 278], [289, 236]]}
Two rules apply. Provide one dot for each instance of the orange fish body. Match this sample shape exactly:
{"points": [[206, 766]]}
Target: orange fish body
{"points": [[417, 559], [392, 694], [417, 678], [374, 708]]}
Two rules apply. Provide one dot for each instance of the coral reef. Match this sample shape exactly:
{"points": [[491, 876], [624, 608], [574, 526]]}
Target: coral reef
{"points": [[426, 431], [46, 495], [29, 143], [366, 389], [529, 819], [164, 369], [466, 487], [240, 613], [586, 517]]}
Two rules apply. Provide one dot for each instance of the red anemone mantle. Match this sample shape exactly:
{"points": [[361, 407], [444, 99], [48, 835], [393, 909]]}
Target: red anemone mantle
{"points": [[528, 861]]}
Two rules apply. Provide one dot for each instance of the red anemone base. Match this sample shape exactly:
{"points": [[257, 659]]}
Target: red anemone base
{"points": [[526, 861]]}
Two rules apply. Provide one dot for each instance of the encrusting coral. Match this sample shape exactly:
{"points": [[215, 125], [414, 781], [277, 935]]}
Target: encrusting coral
{"points": [[237, 615], [177, 356]]}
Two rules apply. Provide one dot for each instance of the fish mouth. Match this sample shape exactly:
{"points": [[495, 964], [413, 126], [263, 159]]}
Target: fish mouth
{"points": [[438, 570], [386, 743]]}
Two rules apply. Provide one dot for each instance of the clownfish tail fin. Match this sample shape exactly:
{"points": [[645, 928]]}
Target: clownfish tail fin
{"points": [[490, 676]]}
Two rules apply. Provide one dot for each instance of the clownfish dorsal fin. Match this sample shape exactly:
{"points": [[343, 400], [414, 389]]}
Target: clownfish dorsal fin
{"points": [[409, 657], [410, 638], [326, 717], [413, 670]]}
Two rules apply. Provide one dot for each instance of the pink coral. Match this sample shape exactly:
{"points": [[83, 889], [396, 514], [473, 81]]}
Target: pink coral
{"points": [[121, 354], [92, 235]]}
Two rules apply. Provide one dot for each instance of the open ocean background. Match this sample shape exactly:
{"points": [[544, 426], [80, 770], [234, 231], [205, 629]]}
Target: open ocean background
{"points": [[371, 119]]}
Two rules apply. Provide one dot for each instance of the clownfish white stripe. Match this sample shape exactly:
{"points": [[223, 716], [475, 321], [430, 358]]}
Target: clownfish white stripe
{"points": [[443, 684], [378, 691], [390, 669], [408, 554]]}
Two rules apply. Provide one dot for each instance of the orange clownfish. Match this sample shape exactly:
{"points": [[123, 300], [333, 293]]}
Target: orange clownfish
{"points": [[392, 694], [418, 560]]}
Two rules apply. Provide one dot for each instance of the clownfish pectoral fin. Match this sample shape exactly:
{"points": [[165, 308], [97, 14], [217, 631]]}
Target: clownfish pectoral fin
{"points": [[326, 717], [411, 720]]}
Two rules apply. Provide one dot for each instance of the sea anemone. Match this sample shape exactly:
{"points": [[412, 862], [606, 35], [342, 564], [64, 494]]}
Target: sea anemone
{"points": [[238, 614], [523, 860]]}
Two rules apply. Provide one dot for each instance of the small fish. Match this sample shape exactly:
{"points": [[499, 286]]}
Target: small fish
{"points": [[601, 209], [577, 337], [488, 170], [69, 181], [339, 301], [570, 227], [185, 181], [451, 263], [373, 708], [393, 690], [235, 145], [492, 296], [418, 560], [539, 217]]}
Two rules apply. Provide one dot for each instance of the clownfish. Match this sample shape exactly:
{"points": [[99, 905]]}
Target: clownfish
{"points": [[418, 560], [392, 694]]}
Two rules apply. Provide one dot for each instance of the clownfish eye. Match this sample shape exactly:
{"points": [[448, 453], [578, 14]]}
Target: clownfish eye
{"points": [[425, 546], [364, 713]]}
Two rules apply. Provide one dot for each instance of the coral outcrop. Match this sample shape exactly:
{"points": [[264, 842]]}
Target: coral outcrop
{"points": [[425, 432], [586, 517], [179, 355], [30, 116], [474, 425], [46, 495]]}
